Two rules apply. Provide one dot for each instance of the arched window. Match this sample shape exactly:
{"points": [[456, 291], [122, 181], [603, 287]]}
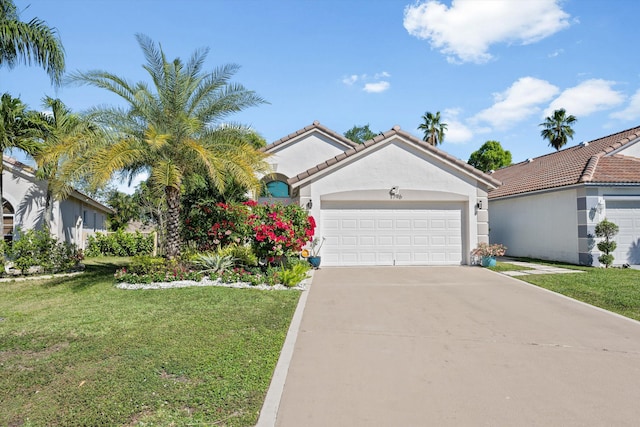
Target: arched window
{"points": [[7, 220], [276, 189]]}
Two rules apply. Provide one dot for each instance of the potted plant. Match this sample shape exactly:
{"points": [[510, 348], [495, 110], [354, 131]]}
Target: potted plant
{"points": [[488, 253], [314, 254]]}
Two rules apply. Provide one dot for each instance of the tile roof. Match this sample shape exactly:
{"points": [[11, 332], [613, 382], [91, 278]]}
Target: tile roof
{"points": [[396, 131], [314, 126], [586, 162]]}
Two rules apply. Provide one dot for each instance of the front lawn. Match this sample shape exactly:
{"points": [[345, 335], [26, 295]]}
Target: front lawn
{"points": [[78, 351], [505, 266], [613, 289]]}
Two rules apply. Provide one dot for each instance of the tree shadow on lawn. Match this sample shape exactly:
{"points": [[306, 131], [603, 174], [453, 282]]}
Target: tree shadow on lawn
{"points": [[96, 271]]}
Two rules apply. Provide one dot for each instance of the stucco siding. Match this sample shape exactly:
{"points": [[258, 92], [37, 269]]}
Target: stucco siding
{"points": [[631, 150], [417, 175], [541, 225], [303, 153]]}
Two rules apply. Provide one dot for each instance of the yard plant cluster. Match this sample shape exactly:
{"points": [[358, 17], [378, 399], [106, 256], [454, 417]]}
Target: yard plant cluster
{"points": [[36, 251], [234, 242]]}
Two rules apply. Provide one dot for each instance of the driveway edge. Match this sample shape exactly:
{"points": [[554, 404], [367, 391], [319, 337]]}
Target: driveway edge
{"points": [[269, 411]]}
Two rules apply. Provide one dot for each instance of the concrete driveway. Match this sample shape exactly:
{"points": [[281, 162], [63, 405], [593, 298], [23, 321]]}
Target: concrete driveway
{"points": [[413, 346]]}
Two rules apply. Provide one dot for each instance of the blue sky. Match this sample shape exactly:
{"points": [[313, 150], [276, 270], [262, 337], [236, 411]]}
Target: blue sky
{"points": [[494, 69]]}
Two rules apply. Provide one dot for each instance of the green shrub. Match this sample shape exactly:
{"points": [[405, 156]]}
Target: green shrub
{"points": [[38, 248], [606, 229], [145, 264], [213, 262], [294, 274], [119, 243], [243, 255]]}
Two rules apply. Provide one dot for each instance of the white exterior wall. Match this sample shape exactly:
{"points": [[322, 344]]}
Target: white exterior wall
{"points": [[632, 150], [369, 176], [27, 196], [304, 152], [543, 225]]}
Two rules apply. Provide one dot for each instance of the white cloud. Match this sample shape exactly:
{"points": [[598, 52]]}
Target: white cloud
{"points": [[586, 98], [376, 87], [519, 101], [457, 132], [556, 53], [370, 84], [632, 112], [465, 30], [350, 80]]}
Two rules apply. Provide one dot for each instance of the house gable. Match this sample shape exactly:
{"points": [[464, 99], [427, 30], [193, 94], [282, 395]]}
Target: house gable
{"points": [[305, 148], [387, 152]]}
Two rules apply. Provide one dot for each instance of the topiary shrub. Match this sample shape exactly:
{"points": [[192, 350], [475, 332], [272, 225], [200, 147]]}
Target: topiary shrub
{"points": [[606, 229]]}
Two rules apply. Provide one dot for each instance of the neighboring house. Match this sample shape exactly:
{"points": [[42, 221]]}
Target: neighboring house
{"points": [[24, 199], [393, 200], [548, 206]]}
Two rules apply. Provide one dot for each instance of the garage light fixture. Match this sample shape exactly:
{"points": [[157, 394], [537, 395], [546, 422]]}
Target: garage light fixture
{"points": [[479, 204], [309, 204], [395, 192]]}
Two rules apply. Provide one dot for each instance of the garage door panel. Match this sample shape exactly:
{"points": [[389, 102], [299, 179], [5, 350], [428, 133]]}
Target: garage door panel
{"points": [[384, 236], [625, 214]]}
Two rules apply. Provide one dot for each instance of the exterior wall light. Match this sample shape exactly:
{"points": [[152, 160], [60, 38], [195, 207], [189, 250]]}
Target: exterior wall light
{"points": [[394, 193], [479, 205], [309, 204]]}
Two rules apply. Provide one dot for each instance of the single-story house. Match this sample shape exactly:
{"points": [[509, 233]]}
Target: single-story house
{"points": [[548, 206], [24, 202], [393, 200]]}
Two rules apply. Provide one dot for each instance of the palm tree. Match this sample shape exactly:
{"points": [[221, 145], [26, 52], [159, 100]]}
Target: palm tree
{"points": [[29, 42], [65, 137], [18, 129], [557, 128], [173, 130], [433, 129]]}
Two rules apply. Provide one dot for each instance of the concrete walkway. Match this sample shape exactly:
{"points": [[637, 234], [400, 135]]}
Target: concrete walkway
{"points": [[531, 268], [453, 346]]}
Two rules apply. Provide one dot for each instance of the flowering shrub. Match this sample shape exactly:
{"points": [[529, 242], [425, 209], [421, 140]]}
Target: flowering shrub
{"points": [[280, 230], [273, 231], [210, 224], [485, 250]]}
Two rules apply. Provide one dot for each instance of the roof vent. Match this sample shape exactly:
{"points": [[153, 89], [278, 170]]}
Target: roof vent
{"points": [[584, 143], [529, 160]]}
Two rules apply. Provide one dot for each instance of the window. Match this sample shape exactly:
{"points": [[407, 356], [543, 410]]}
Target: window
{"points": [[277, 189], [7, 221]]}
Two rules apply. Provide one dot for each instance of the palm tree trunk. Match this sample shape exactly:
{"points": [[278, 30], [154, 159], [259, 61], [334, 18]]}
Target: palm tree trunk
{"points": [[48, 209], [173, 222]]}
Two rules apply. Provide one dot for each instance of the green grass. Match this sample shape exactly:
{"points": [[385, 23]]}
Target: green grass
{"points": [[78, 351], [613, 289], [505, 266]]}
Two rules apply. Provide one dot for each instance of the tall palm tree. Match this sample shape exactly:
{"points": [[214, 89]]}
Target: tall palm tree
{"points": [[29, 42], [557, 128], [432, 128], [65, 138], [18, 129], [173, 129]]}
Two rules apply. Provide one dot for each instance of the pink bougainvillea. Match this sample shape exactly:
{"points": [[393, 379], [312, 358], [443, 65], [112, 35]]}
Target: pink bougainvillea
{"points": [[272, 230]]}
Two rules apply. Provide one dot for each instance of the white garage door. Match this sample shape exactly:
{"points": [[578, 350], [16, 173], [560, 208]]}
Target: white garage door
{"points": [[397, 234], [626, 214]]}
